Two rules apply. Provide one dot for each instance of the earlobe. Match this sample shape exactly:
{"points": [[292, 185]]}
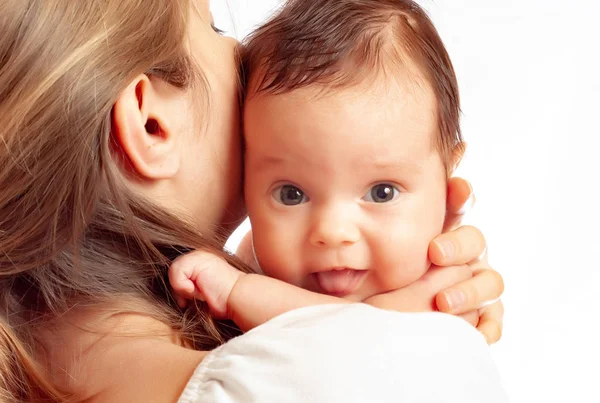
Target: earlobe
{"points": [[142, 130]]}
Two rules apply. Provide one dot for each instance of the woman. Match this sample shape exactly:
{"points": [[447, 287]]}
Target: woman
{"points": [[121, 150]]}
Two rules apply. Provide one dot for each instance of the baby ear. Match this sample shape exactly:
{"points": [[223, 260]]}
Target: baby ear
{"points": [[142, 129], [456, 156]]}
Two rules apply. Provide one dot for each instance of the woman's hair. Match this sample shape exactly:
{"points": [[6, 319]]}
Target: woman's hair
{"points": [[71, 232], [335, 44]]}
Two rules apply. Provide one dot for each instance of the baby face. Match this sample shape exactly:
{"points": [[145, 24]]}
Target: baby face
{"points": [[345, 189]]}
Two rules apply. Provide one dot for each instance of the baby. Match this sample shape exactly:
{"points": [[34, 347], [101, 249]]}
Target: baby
{"points": [[351, 124]]}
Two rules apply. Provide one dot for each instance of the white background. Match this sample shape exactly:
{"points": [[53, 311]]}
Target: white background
{"points": [[529, 76]]}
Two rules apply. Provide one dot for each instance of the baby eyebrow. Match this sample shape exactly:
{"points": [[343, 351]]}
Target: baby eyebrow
{"points": [[270, 160], [267, 162], [400, 166], [370, 165]]}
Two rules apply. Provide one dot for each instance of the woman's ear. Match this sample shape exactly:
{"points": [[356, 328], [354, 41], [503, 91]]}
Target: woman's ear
{"points": [[143, 131]]}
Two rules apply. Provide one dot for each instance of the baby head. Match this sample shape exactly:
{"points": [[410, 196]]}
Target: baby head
{"points": [[351, 124]]}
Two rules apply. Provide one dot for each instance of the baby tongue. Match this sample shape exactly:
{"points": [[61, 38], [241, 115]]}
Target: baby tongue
{"points": [[338, 282]]}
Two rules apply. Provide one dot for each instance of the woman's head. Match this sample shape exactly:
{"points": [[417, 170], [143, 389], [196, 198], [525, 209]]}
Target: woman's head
{"points": [[182, 144], [118, 147]]}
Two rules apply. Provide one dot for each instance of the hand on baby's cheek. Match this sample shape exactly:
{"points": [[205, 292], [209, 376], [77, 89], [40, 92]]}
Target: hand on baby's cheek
{"points": [[460, 199]]}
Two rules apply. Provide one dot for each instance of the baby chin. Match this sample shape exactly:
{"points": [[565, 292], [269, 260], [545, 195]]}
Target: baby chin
{"points": [[359, 286]]}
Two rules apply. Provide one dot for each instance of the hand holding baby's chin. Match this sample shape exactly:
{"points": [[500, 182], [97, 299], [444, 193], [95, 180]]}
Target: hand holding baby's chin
{"points": [[206, 277], [420, 296]]}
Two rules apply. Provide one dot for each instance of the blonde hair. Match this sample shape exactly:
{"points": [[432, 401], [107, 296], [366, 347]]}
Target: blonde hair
{"points": [[70, 231]]}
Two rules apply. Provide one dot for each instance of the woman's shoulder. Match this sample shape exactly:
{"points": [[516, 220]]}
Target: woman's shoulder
{"points": [[126, 358], [147, 371], [363, 353]]}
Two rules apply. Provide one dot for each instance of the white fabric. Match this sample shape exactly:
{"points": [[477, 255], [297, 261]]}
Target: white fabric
{"points": [[350, 353]]}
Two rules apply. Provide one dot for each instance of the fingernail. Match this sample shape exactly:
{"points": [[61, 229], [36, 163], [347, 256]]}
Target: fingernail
{"points": [[446, 247], [456, 299], [468, 204]]}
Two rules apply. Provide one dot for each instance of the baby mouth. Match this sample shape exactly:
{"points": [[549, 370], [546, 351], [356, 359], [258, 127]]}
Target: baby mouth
{"points": [[340, 282]]}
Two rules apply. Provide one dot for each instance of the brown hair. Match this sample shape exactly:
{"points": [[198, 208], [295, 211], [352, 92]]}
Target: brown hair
{"points": [[338, 43], [71, 232]]}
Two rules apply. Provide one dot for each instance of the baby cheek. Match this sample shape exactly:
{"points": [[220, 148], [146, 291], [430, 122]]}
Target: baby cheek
{"points": [[402, 257], [275, 251]]}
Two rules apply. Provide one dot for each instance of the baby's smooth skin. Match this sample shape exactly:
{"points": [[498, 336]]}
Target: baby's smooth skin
{"points": [[345, 189]]}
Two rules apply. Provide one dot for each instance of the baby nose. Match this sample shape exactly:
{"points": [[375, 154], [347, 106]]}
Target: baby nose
{"points": [[334, 229]]}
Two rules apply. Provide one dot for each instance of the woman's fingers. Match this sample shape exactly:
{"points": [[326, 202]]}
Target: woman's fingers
{"points": [[461, 246], [485, 285], [471, 317], [460, 199], [467, 245], [490, 321], [420, 295]]}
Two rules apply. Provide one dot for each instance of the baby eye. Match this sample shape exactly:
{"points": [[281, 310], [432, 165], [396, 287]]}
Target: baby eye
{"points": [[382, 193], [289, 195]]}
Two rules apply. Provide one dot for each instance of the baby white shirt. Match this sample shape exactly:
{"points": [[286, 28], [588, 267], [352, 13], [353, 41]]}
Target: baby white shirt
{"points": [[350, 353]]}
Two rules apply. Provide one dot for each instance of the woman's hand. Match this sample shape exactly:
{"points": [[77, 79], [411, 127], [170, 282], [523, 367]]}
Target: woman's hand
{"points": [[460, 281], [466, 246], [420, 296]]}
